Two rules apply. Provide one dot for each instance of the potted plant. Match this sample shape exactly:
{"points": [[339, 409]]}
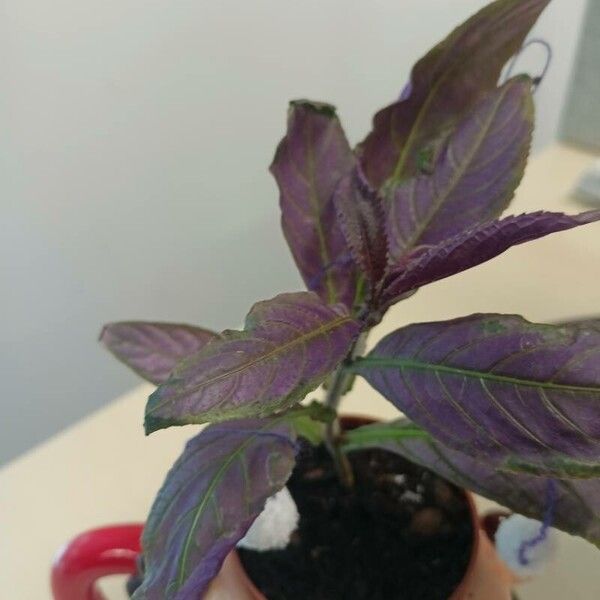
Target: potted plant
{"points": [[492, 403]]}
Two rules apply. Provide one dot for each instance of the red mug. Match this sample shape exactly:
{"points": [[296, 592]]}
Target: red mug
{"points": [[93, 555], [114, 550]]}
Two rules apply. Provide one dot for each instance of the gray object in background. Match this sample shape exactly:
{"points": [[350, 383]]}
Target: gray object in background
{"points": [[581, 116], [587, 190]]}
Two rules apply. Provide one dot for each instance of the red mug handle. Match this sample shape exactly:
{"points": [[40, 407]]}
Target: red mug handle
{"points": [[92, 555]]}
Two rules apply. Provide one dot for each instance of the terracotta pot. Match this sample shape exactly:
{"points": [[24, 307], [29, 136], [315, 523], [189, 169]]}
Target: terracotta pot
{"points": [[113, 550], [487, 578]]}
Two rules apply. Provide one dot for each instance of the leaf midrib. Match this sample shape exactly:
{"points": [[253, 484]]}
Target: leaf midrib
{"points": [[408, 363]]}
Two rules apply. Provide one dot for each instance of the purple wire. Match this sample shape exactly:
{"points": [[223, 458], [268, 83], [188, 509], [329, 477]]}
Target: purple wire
{"points": [[542, 534], [539, 78]]}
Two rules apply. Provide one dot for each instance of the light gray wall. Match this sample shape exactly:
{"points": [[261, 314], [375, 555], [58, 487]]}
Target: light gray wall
{"points": [[135, 136]]}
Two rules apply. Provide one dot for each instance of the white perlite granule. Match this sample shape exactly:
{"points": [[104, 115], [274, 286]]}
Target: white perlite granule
{"points": [[515, 531], [273, 527]]}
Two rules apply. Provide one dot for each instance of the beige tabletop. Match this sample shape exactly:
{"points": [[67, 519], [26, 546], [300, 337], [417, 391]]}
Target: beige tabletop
{"points": [[103, 470]]}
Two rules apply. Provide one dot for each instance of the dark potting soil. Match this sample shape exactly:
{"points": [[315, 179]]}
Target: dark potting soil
{"points": [[400, 533]]}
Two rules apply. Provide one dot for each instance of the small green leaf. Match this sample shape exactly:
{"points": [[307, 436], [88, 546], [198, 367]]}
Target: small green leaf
{"points": [[312, 431], [377, 434], [309, 421]]}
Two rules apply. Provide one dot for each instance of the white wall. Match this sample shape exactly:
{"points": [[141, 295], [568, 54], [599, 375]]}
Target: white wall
{"points": [[135, 136]]}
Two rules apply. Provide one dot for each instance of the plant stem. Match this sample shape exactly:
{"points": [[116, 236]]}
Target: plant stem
{"points": [[340, 379], [338, 388], [333, 429]]}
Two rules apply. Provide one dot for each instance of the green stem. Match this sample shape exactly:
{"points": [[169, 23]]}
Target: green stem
{"points": [[333, 429], [339, 385]]}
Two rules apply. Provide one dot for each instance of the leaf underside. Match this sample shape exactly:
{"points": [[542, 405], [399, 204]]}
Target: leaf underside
{"points": [[362, 219]]}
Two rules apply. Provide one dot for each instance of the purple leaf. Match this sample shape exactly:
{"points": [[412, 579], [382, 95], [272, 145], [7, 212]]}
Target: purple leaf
{"points": [[362, 219], [577, 509], [153, 349], [208, 501], [522, 396], [288, 346], [586, 322], [473, 247], [309, 162], [444, 85], [473, 179]]}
